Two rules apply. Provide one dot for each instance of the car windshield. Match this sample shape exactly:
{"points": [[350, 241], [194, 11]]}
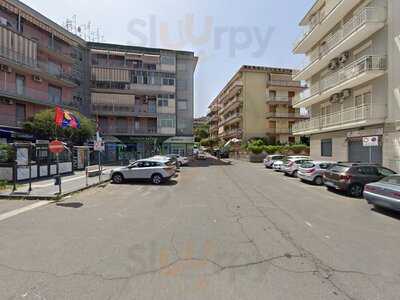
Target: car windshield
{"points": [[308, 165]]}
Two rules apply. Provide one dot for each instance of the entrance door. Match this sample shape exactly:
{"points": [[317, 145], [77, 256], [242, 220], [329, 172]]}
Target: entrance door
{"points": [[359, 153]]}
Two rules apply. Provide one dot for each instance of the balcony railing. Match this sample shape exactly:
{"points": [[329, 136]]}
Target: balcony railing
{"points": [[231, 117], [111, 109], [284, 115], [343, 117], [59, 73], [32, 95], [285, 83], [366, 15], [18, 58], [364, 64], [279, 99], [279, 130], [128, 131]]}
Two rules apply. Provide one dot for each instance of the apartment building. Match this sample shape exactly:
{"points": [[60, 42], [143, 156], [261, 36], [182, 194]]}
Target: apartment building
{"points": [[143, 99], [257, 103], [41, 65], [353, 73]]}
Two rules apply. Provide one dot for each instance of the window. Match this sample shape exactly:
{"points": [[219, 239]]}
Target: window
{"points": [[326, 148], [163, 102], [20, 113], [20, 84], [385, 172], [182, 105], [55, 94], [168, 81], [168, 60], [167, 123]]}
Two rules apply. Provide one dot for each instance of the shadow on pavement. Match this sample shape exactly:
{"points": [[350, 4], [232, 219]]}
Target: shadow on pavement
{"points": [[387, 212], [70, 205], [146, 182], [207, 163]]}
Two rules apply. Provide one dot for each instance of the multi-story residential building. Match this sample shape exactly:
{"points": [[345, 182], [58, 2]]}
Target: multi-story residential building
{"points": [[143, 99], [352, 71], [257, 103], [40, 66]]}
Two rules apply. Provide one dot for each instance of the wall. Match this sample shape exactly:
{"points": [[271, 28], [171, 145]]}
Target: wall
{"points": [[339, 146], [254, 98]]}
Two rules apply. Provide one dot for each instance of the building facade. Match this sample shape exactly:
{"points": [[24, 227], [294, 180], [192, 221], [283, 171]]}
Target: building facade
{"points": [[353, 73], [40, 67], [256, 103], [143, 99]]}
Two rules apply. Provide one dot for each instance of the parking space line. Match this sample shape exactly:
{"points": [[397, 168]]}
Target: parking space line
{"points": [[18, 211]]}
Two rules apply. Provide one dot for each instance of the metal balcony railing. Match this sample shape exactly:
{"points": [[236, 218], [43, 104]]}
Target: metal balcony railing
{"points": [[279, 99], [33, 96], [366, 15], [110, 108], [231, 117], [347, 116], [284, 115]]}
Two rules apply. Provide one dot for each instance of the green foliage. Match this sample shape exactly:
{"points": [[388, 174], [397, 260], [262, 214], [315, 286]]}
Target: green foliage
{"points": [[7, 153], [299, 148], [201, 133], [256, 146], [208, 143], [42, 126]]}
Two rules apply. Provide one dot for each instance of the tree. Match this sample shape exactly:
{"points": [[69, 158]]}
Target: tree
{"points": [[42, 126], [201, 133]]}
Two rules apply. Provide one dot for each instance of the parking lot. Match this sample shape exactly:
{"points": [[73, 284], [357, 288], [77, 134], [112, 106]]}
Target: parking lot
{"points": [[220, 230]]}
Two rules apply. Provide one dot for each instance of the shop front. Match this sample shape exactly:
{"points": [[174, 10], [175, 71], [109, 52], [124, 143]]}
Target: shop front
{"points": [[178, 145]]}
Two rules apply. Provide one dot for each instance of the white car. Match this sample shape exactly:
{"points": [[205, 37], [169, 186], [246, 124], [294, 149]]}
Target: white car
{"points": [[292, 164], [182, 160], [270, 159], [277, 165], [201, 155], [157, 169]]}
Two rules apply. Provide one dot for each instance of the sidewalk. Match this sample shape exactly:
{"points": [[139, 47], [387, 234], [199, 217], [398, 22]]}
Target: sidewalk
{"points": [[46, 190]]}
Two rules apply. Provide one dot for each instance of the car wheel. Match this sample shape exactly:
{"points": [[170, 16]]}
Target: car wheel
{"points": [[355, 190], [318, 180], [294, 174], [156, 179], [117, 178]]}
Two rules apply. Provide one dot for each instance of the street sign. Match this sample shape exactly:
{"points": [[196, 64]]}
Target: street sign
{"points": [[56, 147], [371, 141], [99, 146]]}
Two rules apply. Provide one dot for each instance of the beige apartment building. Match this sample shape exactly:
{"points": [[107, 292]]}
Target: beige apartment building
{"points": [[256, 103], [353, 77]]}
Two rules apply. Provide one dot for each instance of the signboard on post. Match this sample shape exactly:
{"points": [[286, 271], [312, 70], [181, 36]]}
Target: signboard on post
{"points": [[56, 147], [99, 146], [371, 141]]}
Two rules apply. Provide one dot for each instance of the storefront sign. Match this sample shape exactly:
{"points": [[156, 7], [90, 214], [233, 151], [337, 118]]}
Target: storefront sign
{"points": [[99, 146], [371, 141], [180, 140]]}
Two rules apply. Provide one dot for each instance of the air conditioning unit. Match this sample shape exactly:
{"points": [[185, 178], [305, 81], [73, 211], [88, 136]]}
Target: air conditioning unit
{"points": [[335, 98], [344, 57], [36, 78], [346, 93], [334, 64], [5, 68]]}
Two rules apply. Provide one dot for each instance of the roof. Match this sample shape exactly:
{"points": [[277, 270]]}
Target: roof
{"points": [[314, 8]]}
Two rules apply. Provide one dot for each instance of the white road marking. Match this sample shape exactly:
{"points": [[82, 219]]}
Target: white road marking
{"points": [[18, 211]]}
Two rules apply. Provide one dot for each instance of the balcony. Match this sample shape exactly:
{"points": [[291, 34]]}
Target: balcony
{"points": [[32, 96], [344, 119], [278, 130], [126, 131], [59, 74], [285, 115], [111, 109], [363, 70], [233, 90], [275, 100], [57, 52], [233, 104], [236, 117], [233, 133], [285, 83], [323, 21], [130, 88], [356, 30]]}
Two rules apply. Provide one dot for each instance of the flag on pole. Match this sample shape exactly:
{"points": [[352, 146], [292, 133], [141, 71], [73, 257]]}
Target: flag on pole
{"points": [[65, 119]]}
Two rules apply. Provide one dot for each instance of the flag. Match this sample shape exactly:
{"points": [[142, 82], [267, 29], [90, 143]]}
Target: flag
{"points": [[66, 119]]}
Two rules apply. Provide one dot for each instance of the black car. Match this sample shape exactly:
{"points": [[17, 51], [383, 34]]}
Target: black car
{"points": [[352, 177]]}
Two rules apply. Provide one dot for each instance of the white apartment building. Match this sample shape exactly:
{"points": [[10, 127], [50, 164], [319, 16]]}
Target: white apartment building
{"points": [[353, 73]]}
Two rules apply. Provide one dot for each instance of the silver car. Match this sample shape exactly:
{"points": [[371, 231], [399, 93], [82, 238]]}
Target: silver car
{"points": [[384, 193], [157, 169], [313, 171], [270, 159], [292, 164]]}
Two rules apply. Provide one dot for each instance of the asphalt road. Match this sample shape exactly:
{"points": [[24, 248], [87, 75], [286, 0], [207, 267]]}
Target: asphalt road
{"points": [[218, 232]]}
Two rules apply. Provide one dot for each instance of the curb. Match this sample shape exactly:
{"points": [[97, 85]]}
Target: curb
{"points": [[54, 198]]}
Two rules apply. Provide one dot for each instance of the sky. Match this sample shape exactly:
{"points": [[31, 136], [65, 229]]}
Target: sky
{"points": [[224, 34]]}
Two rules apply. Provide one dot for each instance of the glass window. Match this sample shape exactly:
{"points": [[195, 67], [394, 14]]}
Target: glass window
{"points": [[395, 180], [55, 94], [385, 172], [326, 148], [182, 105], [20, 84]]}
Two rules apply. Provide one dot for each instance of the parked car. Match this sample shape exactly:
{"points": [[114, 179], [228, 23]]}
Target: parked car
{"points": [[201, 155], [277, 165], [157, 169], [313, 171], [292, 164], [181, 160], [384, 193], [270, 159], [352, 177]]}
